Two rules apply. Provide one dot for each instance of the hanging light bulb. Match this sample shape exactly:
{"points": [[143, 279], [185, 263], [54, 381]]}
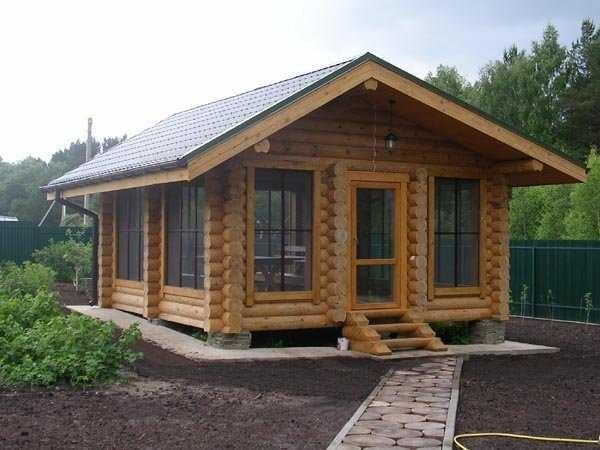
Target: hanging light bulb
{"points": [[391, 138]]}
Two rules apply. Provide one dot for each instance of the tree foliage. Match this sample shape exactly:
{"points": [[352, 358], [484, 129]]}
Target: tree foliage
{"points": [[551, 93], [20, 195]]}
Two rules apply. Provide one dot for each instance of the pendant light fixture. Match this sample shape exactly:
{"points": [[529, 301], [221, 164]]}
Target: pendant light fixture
{"points": [[391, 138]]}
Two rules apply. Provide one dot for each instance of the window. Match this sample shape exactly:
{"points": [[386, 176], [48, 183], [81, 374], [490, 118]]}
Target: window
{"points": [[282, 230], [185, 235], [130, 246], [456, 232]]}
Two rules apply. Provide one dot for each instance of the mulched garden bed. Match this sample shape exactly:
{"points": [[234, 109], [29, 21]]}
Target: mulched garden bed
{"points": [[173, 402], [553, 395]]}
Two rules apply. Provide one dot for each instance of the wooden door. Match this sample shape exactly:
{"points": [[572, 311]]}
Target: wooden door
{"points": [[378, 268]]}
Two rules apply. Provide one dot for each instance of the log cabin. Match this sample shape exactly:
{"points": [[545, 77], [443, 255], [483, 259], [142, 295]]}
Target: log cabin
{"points": [[356, 196]]}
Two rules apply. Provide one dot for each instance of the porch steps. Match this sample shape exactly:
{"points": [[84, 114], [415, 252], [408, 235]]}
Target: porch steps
{"points": [[378, 332]]}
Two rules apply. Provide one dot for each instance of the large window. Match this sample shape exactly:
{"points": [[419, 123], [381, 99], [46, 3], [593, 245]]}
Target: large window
{"points": [[456, 232], [282, 230], [130, 246], [185, 235]]}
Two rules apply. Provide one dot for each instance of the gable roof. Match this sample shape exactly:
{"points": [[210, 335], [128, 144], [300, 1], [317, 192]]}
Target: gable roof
{"points": [[178, 139], [171, 141]]}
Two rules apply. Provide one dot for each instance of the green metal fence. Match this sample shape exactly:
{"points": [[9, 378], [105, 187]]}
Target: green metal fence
{"points": [[555, 279], [18, 240]]}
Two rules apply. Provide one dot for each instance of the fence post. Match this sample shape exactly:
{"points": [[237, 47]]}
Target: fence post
{"points": [[533, 280]]}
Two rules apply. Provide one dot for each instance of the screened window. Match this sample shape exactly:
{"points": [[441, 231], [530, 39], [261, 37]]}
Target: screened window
{"points": [[129, 234], [185, 235], [282, 230], [456, 232]]}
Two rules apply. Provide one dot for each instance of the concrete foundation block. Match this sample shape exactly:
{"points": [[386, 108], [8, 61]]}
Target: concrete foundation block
{"points": [[488, 332], [230, 341]]}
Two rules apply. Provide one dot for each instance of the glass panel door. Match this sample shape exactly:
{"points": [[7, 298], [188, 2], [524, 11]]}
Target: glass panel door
{"points": [[375, 247]]}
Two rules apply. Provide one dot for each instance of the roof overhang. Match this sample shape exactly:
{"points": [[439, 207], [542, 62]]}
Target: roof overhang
{"points": [[525, 161]]}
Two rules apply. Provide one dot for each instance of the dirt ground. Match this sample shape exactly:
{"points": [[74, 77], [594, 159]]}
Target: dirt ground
{"points": [[175, 403], [552, 395]]}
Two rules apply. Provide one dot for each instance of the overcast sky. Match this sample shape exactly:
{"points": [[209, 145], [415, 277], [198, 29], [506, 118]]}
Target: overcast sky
{"points": [[129, 64]]}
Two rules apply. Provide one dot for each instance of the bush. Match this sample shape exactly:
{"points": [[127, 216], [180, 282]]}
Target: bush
{"points": [[453, 333], [41, 347], [70, 259], [28, 278]]}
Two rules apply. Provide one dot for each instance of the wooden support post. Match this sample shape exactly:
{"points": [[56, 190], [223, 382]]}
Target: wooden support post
{"points": [[152, 276], [106, 249]]}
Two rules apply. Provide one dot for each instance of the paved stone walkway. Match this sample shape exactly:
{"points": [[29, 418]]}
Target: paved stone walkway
{"points": [[409, 410]]}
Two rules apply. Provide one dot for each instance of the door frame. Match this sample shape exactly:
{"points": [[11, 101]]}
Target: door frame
{"points": [[380, 180]]}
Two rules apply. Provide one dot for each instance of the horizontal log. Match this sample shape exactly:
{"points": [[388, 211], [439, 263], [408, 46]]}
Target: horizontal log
{"points": [[520, 166], [284, 322], [183, 300], [180, 309], [128, 299], [457, 315], [458, 303], [284, 309]]}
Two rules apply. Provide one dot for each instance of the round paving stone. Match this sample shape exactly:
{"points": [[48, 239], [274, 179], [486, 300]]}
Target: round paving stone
{"points": [[369, 441], [443, 405], [357, 429], [429, 411], [381, 410], [404, 372], [397, 433], [437, 418], [424, 425], [437, 432], [373, 424], [431, 399], [403, 418], [410, 404], [419, 442], [370, 415], [379, 403]]}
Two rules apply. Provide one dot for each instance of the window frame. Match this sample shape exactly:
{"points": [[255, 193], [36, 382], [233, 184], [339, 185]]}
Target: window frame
{"points": [[139, 231], [313, 294], [198, 233], [478, 290]]}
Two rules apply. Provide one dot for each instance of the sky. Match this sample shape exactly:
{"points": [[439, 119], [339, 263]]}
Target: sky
{"points": [[129, 64]]}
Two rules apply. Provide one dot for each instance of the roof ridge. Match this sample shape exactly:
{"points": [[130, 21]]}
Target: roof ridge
{"points": [[262, 87], [341, 63]]}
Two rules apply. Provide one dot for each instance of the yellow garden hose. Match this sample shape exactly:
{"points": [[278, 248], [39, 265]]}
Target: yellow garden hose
{"points": [[523, 436]]}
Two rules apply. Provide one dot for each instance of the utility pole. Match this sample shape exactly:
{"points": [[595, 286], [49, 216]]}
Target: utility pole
{"points": [[88, 156]]}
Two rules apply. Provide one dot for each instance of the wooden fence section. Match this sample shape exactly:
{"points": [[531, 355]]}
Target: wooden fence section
{"points": [[555, 279], [18, 240]]}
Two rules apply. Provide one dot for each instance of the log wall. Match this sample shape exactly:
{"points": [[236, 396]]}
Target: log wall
{"points": [[106, 251], [152, 264], [234, 247], [330, 141], [497, 246]]}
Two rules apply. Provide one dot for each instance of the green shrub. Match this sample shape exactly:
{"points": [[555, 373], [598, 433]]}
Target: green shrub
{"points": [[28, 278], [453, 333], [25, 310], [70, 259], [41, 347]]}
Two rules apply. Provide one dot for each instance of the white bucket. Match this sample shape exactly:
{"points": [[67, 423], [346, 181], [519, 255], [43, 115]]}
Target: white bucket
{"points": [[343, 344]]}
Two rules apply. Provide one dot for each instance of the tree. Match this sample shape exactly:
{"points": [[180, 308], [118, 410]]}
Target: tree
{"points": [[20, 195], [581, 101], [583, 219], [449, 80], [524, 90], [525, 212]]}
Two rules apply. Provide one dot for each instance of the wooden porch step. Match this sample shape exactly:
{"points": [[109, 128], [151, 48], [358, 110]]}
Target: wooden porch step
{"points": [[399, 327], [406, 343]]}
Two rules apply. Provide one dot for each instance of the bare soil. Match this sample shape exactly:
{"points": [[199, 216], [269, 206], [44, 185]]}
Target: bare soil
{"points": [[550, 395], [172, 402]]}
